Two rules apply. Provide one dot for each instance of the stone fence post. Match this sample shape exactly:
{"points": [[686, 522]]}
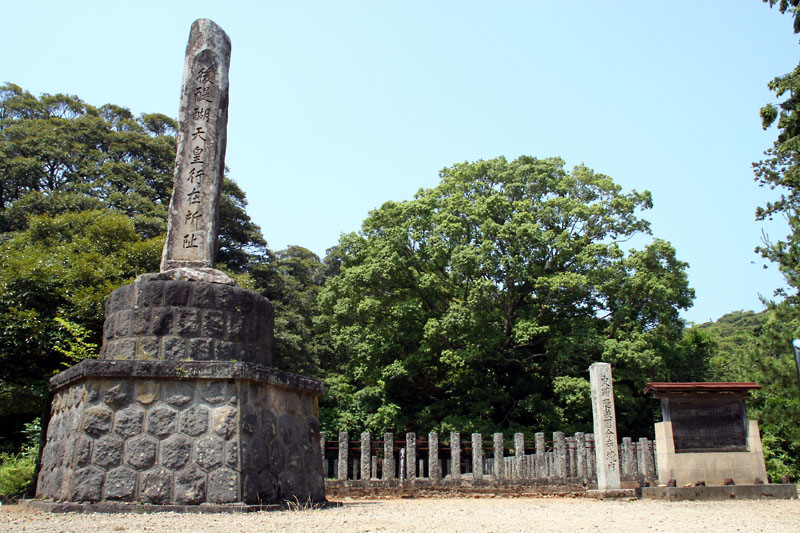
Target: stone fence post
{"points": [[411, 456], [455, 455], [541, 461], [580, 459], [560, 449], [388, 456], [366, 448], [477, 456], [519, 455], [322, 449], [343, 446], [498, 456], [434, 472]]}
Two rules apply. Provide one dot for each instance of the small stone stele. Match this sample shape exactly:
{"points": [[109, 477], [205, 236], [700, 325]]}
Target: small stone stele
{"points": [[672, 483], [758, 481], [785, 479], [699, 483], [728, 481]]}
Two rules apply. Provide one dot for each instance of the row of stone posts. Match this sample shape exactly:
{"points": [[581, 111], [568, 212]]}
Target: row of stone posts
{"points": [[570, 458]]}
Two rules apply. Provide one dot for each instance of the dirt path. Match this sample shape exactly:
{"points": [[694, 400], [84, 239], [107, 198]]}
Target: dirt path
{"points": [[450, 515]]}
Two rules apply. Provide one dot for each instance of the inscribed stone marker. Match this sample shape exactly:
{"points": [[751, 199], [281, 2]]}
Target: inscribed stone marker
{"points": [[200, 160], [605, 426]]}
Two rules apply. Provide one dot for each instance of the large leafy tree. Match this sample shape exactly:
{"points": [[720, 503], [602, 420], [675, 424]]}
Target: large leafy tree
{"points": [[84, 193], [481, 303], [59, 154]]}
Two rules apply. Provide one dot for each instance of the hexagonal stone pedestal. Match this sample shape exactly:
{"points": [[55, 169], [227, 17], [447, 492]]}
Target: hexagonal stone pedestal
{"points": [[181, 433]]}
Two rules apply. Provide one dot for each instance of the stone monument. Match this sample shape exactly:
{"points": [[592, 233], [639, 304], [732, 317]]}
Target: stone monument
{"points": [[183, 406], [605, 427]]}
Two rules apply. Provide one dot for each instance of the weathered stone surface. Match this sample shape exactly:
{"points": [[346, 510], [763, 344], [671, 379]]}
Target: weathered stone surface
{"points": [[232, 454], [87, 485], [277, 456], [140, 452], [97, 421], [181, 393], [161, 421], [208, 452], [163, 320], [173, 348], [176, 452], [223, 486], [107, 451], [213, 392], [192, 226], [194, 421], [83, 451], [156, 486], [119, 394], [224, 423], [190, 486], [605, 426], [120, 484], [129, 422]]}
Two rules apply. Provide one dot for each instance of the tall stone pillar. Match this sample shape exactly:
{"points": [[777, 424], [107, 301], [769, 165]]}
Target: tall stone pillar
{"points": [[560, 454], [455, 455], [411, 455], [366, 451], [434, 472], [343, 452], [499, 465], [519, 455], [388, 456], [477, 456], [541, 459], [605, 426]]}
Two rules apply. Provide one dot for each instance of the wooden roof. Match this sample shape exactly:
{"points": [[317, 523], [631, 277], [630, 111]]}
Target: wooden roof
{"points": [[667, 388]]}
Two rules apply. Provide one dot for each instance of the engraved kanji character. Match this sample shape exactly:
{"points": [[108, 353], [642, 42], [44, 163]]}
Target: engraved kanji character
{"points": [[189, 240], [193, 218], [202, 94], [200, 113], [205, 75], [193, 196], [199, 134], [195, 174], [196, 153]]}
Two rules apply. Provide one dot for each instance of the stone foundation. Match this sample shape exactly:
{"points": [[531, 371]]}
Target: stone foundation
{"points": [[181, 433]]}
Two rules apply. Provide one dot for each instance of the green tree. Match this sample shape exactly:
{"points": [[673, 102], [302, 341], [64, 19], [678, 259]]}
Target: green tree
{"points": [[481, 303], [757, 348], [59, 154], [84, 193]]}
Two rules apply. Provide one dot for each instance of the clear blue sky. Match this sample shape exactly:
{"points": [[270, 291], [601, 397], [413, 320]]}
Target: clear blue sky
{"points": [[337, 107]]}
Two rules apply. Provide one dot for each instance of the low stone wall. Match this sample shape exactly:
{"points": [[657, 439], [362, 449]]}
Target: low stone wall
{"points": [[563, 461]]}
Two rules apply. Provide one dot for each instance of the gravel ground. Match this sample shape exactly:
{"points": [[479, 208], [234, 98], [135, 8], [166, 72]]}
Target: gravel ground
{"points": [[446, 514]]}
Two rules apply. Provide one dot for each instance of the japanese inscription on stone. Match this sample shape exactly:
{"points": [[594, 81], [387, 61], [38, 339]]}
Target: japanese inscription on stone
{"points": [[605, 426], [200, 160]]}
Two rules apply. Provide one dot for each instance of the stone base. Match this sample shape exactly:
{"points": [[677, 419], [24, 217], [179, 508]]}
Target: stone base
{"points": [[722, 492], [181, 433], [711, 467], [610, 494], [106, 507]]}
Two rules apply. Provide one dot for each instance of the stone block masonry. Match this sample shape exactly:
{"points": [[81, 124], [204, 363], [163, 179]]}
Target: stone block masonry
{"points": [[178, 320], [181, 433]]}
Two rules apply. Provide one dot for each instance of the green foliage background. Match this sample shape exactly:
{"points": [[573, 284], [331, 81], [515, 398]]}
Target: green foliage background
{"points": [[476, 306]]}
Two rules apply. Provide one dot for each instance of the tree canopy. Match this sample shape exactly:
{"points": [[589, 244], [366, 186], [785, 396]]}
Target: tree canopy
{"points": [[481, 302]]}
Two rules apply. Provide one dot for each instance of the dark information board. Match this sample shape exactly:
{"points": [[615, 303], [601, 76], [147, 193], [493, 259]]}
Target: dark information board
{"points": [[708, 425]]}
